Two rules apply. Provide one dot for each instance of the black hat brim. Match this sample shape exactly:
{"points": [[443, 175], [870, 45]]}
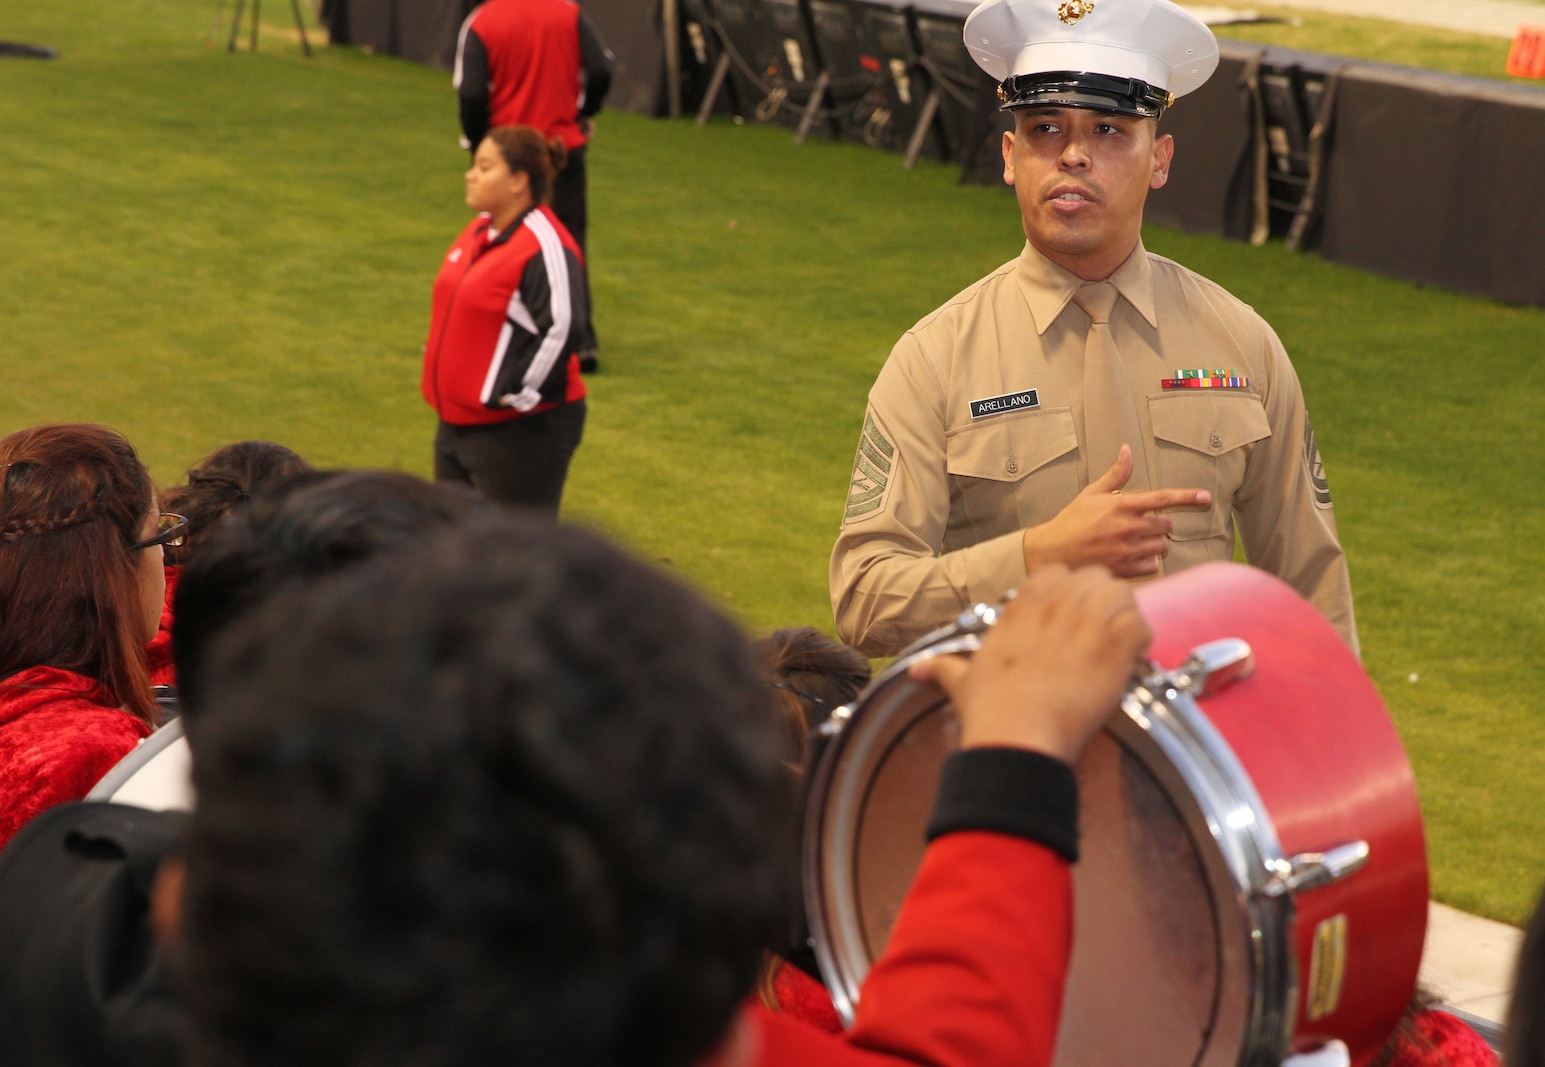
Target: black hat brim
{"points": [[1082, 89]]}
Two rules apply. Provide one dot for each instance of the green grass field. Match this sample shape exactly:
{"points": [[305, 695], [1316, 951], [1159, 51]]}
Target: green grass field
{"points": [[200, 247]]}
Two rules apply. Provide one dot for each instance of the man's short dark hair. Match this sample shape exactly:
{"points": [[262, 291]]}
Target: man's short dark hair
{"points": [[313, 525], [511, 797]]}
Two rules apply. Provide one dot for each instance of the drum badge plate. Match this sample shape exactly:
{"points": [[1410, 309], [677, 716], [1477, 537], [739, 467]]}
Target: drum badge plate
{"points": [[1327, 967], [1070, 11]]}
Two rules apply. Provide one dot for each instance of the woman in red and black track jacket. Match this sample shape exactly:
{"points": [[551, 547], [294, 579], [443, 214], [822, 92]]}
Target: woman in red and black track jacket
{"points": [[500, 366]]}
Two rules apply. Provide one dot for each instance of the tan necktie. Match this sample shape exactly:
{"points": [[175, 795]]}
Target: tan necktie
{"points": [[1110, 417]]}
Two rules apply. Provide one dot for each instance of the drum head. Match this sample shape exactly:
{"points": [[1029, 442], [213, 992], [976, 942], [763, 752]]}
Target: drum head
{"points": [[1146, 947], [1152, 951]]}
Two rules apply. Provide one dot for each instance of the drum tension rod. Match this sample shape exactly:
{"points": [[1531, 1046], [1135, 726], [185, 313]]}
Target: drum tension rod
{"points": [[1314, 870], [1214, 666]]}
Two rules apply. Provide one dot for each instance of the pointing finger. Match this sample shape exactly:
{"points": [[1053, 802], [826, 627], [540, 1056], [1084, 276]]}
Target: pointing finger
{"points": [[1157, 499]]}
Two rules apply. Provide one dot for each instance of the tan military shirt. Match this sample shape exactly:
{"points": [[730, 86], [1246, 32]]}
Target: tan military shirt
{"points": [[957, 455]]}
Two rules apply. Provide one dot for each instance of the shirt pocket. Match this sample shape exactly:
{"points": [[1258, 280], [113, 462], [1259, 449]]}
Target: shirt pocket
{"points": [[1010, 472], [1204, 439]]}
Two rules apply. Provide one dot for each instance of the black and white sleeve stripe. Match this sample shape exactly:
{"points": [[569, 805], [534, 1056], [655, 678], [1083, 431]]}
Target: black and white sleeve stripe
{"points": [[554, 342], [557, 339]]}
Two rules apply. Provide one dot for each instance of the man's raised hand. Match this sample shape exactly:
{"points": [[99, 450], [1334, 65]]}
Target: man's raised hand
{"points": [[1105, 525]]}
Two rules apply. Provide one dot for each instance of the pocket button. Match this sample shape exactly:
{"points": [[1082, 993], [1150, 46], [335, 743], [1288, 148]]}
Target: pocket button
{"points": [[1011, 466], [1216, 440]]}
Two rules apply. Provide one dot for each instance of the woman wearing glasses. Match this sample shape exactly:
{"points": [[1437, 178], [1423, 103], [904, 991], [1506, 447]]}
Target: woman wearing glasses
{"points": [[81, 589]]}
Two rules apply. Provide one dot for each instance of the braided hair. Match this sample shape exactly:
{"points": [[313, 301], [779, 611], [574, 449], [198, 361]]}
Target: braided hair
{"points": [[73, 498]]}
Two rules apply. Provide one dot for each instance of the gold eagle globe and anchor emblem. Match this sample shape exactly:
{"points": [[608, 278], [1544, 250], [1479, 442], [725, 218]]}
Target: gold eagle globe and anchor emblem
{"points": [[1070, 11]]}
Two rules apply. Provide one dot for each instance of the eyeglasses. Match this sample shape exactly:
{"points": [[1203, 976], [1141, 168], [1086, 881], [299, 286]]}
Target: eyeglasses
{"points": [[803, 694], [170, 530]]}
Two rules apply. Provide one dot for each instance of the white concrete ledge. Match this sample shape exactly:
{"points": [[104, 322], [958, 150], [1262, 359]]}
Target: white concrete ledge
{"points": [[1468, 961]]}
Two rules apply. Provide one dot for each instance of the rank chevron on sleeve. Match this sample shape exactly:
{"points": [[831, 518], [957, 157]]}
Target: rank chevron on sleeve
{"points": [[871, 470]]}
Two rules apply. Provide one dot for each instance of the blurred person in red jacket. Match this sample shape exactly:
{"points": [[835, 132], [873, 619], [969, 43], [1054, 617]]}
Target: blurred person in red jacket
{"points": [[538, 63], [500, 365]]}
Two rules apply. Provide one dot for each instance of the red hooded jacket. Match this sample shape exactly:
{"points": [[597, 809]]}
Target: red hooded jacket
{"points": [[59, 733]]}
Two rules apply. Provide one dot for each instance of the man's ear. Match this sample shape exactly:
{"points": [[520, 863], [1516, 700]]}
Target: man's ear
{"points": [[739, 1047], [1008, 158], [166, 901], [1163, 153]]}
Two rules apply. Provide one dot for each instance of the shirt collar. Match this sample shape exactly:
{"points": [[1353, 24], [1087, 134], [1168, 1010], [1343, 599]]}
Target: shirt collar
{"points": [[1049, 288], [493, 237]]}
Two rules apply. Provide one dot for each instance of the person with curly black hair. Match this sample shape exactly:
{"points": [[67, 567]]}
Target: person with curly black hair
{"points": [[80, 984], [513, 797], [314, 525]]}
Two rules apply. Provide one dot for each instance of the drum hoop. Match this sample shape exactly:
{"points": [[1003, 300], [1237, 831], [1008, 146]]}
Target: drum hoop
{"points": [[135, 759], [826, 928], [1226, 806]]}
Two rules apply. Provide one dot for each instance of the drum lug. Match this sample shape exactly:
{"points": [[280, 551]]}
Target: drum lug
{"points": [[979, 618], [1314, 870], [962, 635], [1214, 666]]}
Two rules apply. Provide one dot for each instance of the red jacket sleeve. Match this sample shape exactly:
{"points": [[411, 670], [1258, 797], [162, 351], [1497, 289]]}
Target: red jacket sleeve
{"points": [[973, 973], [158, 654]]}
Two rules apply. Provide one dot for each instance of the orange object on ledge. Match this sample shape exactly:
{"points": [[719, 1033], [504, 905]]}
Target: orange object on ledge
{"points": [[1526, 57]]}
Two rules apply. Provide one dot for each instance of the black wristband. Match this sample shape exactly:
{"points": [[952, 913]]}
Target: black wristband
{"points": [[1009, 791]]}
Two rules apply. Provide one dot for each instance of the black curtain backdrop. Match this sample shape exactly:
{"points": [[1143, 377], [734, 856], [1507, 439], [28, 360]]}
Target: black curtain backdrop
{"points": [[1211, 183], [1439, 179], [632, 30], [1427, 177], [421, 30], [425, 32]]}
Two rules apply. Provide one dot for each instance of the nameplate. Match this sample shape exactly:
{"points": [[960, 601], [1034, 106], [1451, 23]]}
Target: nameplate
{"points": [[1000, 405]]}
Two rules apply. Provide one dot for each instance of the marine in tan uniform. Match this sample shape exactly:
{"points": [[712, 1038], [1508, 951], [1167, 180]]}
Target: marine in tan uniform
{"points": [[1007, 429]]}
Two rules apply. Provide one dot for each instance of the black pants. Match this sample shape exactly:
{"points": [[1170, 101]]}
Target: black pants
{"points": [[523, 461], [568, 203]]}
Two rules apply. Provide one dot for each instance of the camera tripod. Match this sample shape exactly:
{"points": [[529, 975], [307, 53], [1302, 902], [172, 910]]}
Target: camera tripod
{"points": [[236, 25]]}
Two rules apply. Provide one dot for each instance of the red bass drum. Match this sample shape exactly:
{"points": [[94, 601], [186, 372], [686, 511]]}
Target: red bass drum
{"points": [[1253, 879]]}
